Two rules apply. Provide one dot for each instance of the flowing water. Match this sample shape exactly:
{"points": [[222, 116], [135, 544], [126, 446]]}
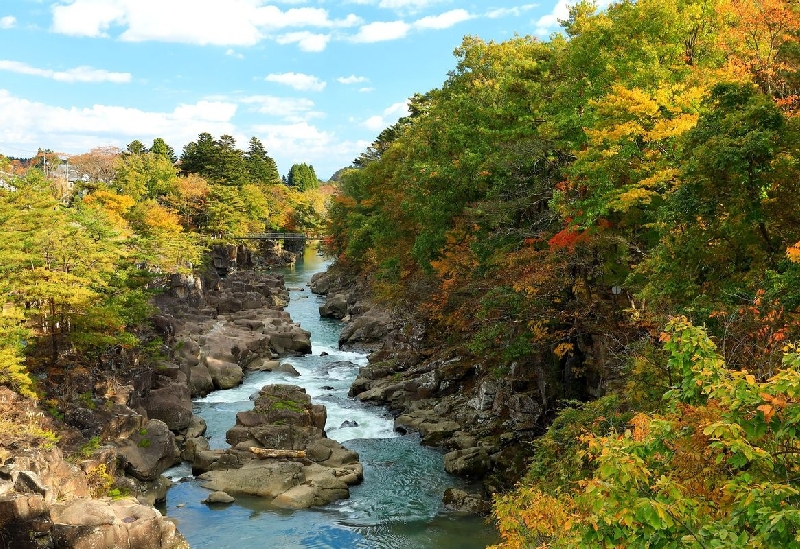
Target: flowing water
{"points": [[398, 506]]}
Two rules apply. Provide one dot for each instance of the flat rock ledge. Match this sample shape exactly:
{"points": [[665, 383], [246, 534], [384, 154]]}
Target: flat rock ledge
{"points": [[308, 469]]}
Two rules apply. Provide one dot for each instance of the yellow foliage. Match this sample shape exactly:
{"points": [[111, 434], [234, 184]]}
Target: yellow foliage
{"points": [[633, 197], [100, 482], [530, 518], [793, 253], [563, 349], [666, 128]]}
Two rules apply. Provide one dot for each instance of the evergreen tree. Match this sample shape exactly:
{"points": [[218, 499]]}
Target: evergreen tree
{"points": [[161, 148], [261, 168], [303, 177]]}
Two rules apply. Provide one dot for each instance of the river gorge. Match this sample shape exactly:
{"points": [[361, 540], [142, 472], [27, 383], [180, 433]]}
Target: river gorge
{"points": [[399, 503]]}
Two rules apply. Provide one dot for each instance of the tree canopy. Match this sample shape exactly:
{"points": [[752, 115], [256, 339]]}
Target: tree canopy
{"points": [[553, 204]]}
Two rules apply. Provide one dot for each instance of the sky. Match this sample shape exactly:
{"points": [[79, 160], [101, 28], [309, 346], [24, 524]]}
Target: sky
{"points": [[315, 80]]}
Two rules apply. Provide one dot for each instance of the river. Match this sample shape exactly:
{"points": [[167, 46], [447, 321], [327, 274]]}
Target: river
{"points": [[398, 506]]}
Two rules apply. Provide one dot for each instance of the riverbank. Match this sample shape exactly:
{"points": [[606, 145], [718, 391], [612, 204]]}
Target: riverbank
{"points": [[482, 421], [399, 503]]}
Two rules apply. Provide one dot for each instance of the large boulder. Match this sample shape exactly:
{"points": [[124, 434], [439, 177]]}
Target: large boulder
{"points": [[469, 463], [110, 524], [224, 375], [320, 283], [257, 478], [172, 404], [365, 331], [335, 306], [150, 451]]}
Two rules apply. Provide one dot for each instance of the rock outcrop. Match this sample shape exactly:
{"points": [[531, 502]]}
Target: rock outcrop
{"points": [[240, 324], [454, 401], [46, 502], [311, 470]]}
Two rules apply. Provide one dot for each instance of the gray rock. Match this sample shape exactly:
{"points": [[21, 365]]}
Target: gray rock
{"points": [[225, 375], [218, 497], [470, 463], [200, 381], [464, 502], [197, 427], [171, 404], [287, 368], [150, 451], [29, 482], [335, 307], [257, 478]]}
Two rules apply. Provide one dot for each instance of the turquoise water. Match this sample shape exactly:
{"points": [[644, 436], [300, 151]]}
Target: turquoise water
{"points": [[398, 506]]}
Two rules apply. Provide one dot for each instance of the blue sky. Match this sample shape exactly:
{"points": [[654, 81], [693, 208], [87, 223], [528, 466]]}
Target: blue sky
{"points": [[315, 80]]}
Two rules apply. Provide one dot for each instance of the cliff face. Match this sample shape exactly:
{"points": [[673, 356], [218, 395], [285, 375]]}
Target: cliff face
{"points": [[123, 421], [482, 418], [47, 501]]}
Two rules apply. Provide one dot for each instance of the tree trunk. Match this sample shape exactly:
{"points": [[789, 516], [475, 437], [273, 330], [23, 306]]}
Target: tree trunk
{"points": [[272, 453]]}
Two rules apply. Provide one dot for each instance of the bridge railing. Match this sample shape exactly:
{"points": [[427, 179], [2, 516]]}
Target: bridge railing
{"points": [[280, 236]]}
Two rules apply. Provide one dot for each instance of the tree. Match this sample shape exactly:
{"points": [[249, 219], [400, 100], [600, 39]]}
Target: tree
{"points": [[145, 175], [717, 469], [219, 161], [57, 266], [303, 177], [98, 164], [720, 231], [261, 168], [135, 147], [161, 148]]}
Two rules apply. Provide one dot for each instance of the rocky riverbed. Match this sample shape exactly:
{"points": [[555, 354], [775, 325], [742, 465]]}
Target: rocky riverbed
{"points": [[454, 401], [138, 422]]}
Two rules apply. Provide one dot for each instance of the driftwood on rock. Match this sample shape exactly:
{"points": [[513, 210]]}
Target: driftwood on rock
{"points": [[273, 453]]}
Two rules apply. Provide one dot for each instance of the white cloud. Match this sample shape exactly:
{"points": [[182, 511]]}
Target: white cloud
{"points": [[382, 31], [306, 41], [390, 115], [303, 142], [298, 81], [407, 4], [512, 12], [230, 23], [549, 23], [77, 74], [293, 109], [8, 22], [352, 79], [366, 90], [31, 124], [233, 53], [443, 21], [210, 111]]}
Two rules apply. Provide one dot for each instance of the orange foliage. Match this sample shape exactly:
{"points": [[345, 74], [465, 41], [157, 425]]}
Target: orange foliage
{"points": [[757, 30]]}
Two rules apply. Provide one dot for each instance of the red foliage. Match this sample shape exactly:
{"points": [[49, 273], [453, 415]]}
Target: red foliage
{"points": [[568, 238]]}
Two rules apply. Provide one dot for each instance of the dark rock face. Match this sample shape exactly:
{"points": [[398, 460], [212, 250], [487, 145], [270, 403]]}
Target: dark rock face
{"points": [[335, 306], [456, 402]]}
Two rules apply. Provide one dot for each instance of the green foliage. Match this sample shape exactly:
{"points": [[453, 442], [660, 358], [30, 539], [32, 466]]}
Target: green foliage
{"points": [[90, 447], [220, 162], [716, 470], [303, 177], [260, 166], [287, 405]]}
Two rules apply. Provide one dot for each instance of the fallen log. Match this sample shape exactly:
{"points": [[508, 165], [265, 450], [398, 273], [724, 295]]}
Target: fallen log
{"points": [[272, 453]]}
